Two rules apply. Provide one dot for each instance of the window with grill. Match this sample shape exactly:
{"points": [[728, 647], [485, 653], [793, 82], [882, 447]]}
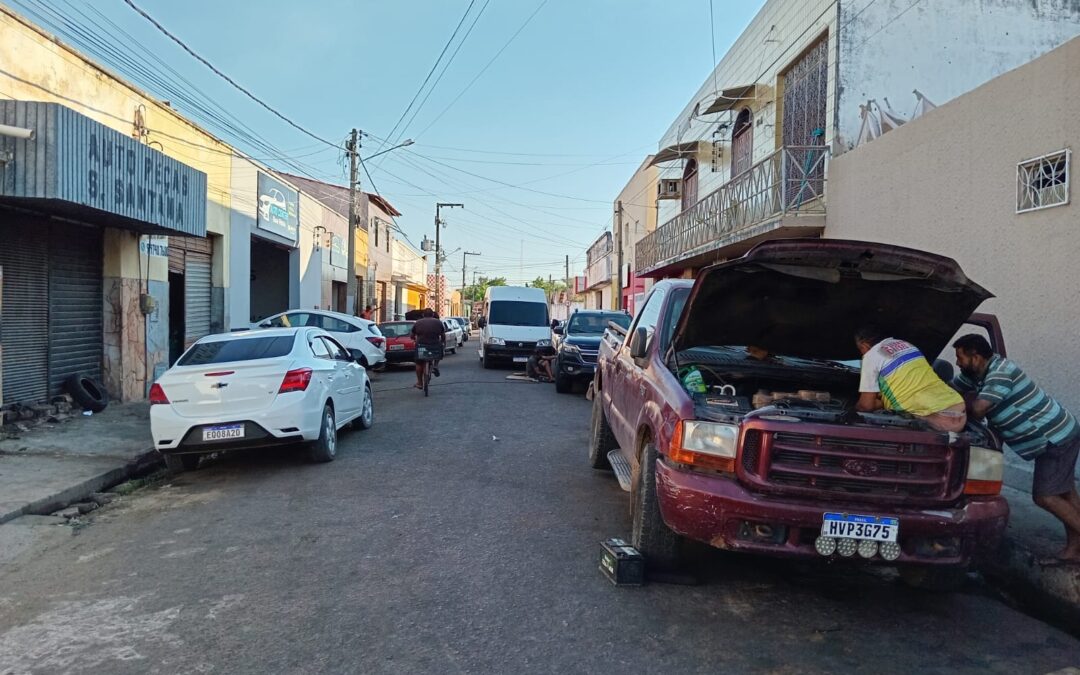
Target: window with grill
{"points": [[1043, 182]]}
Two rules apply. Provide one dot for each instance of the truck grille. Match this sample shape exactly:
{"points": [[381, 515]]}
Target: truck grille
{"points": [[589, 355], [806, 463]]}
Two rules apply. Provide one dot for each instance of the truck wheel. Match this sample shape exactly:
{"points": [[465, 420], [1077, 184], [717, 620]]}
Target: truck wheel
{"points": [[936, 579], [563, 384], [601, 440], [649, 534], [486, 362]]}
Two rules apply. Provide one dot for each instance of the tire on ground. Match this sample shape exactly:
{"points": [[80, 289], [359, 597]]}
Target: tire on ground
{"points": [[87, 392], [563, 384], [361, 423], [649, 534], [325, 449], [601, 440]]}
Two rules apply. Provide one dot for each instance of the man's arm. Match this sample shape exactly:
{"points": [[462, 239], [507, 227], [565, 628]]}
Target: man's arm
{"points": [[869, 392], [869, 401], [979, 408]]}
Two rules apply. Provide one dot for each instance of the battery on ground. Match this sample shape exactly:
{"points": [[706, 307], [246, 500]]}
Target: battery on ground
{"points": [[621, 563]]}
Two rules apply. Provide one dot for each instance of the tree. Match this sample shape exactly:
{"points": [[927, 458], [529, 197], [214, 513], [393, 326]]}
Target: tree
{"points": [[552, 288], [475, 292]]}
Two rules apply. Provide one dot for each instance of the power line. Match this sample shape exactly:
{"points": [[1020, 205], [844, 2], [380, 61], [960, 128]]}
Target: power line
{"points": [[222, 75], [431, 72]]}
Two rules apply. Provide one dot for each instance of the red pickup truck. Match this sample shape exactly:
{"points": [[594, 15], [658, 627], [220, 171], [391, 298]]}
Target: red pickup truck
{"points": [[767, 455]]}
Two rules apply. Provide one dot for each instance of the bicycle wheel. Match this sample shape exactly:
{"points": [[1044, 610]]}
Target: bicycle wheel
{"points": [[427, 376]]}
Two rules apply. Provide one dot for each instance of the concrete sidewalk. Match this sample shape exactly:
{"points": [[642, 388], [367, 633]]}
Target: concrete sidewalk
{"points": [[51, 466]]}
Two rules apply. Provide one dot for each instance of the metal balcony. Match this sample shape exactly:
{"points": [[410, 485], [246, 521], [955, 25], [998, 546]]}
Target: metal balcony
{"points": [[783, 195]]}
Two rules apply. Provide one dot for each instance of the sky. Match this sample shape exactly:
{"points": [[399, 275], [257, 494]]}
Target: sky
{"points": [[537, 147]]}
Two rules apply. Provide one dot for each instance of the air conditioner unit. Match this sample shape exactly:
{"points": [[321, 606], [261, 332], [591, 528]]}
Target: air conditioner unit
{"points": [[669, 188]]}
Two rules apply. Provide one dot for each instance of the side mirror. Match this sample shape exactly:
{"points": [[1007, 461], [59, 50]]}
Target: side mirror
{"points": [[558, 330], [357, 356], [639, 342], [482, 322]]}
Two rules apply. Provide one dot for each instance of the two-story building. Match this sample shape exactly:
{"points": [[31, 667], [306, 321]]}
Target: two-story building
{"points": [[599, 268], [635, 209], [746, 160]]}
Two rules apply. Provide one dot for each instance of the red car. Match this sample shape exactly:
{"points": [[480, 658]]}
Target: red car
{"points": [[399, 346]]}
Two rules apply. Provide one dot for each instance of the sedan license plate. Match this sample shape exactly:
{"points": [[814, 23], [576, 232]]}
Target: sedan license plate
{"points": [[395, 348], [521, 359], [852, 526], [223, 432]]}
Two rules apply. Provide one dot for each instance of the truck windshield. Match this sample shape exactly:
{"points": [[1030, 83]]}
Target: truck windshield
{"points": [[516, 313], [595, 324]]}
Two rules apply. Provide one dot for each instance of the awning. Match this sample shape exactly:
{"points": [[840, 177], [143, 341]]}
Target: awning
{"points": [[688, 150], [731, 97]]}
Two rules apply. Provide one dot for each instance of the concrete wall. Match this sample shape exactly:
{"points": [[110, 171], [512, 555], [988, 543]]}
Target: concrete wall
{"points": [[947, 183], [943, 48], [639, 213]]}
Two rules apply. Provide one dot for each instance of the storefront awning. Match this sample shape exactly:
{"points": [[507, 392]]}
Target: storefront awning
{"points": [[687, 150], [80, 169], [732, 97]]}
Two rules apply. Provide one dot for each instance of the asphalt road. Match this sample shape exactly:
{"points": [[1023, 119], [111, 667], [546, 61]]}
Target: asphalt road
{"points": [[460, 534]]}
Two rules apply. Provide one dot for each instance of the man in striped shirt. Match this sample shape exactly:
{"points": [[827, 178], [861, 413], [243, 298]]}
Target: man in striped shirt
{"points": [[1030, 422]]}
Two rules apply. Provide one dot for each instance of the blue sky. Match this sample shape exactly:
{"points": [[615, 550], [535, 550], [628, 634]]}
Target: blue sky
{"points": [[570, 108]]}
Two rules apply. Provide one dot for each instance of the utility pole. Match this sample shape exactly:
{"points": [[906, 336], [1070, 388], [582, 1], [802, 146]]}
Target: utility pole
{"points": [[463, 254], [352, 146], [439, 255], [567, 285], [618, 246]]}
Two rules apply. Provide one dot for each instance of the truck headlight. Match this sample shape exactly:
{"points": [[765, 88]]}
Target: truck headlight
{"points": [[495, 341], [986, 469], [570, 349], [705, 444], [543, 343]]}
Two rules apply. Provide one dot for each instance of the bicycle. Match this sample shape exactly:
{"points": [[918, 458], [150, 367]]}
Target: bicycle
{"points": [[430, 356]]}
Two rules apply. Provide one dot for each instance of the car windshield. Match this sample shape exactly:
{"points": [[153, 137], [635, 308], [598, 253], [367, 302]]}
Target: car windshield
{"points": [[595, 324], [396, 329], [516, 313], [243, 349]]}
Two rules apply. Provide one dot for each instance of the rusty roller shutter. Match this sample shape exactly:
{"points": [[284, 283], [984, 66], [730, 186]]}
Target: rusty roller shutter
{"points": [[196, 296], [76, 302], [24, 312]]}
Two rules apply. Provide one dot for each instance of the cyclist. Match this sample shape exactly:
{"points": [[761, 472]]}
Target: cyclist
{"points": [[429, 333]]}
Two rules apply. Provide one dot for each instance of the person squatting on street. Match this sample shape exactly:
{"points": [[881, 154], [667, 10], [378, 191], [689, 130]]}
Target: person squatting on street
{"points": [[895, 375], [429, 333], [539, 365], [1030, 422]]}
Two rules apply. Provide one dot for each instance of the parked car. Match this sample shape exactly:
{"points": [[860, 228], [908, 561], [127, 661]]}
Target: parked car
{"points": [[351, 331], [515, 320], [768, 455], [577, 343], [400, 347], [454, 335], [258, 388], [465, 328]]}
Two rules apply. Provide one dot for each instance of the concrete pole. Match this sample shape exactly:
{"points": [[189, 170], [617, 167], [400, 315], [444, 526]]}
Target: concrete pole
{"points": [[353, 148]]}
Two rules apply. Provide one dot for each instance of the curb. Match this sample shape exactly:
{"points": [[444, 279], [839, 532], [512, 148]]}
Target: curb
{"points": [[139, 464], [1053, 591]]}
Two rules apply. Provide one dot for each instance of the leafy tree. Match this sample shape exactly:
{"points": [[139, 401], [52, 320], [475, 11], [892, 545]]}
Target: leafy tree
{"points": [[550, 287], [475, 292]]}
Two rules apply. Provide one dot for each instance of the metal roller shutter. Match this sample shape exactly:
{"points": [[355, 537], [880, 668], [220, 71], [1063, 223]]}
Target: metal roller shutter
{"points": [[75, 301], [24, 312], [196, 296]]}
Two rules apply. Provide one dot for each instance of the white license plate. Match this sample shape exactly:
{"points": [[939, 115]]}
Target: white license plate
{"points": [[395, 348], [852, 526], [521, 359], [224, 432]]}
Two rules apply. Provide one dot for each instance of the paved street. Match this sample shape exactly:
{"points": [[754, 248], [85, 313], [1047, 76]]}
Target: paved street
{"points": [[460, 534]]}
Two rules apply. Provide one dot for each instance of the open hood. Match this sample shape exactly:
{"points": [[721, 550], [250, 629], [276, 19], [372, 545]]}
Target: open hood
{"points": [[807, 297]]}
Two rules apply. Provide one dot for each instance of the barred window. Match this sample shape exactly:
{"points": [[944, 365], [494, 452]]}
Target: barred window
{"points": [[1042, 182]]}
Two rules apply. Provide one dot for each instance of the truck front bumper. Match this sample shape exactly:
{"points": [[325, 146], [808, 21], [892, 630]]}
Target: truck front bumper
{"points": [[721, 512]]}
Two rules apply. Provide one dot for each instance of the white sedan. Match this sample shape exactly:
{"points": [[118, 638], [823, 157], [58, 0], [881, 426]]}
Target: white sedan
{"points": [[258, 388], [351, 331]]}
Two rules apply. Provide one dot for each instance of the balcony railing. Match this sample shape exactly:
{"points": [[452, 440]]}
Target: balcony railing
{"points": [[788, 181]]}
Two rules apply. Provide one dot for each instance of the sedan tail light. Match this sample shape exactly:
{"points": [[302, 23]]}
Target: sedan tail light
{"points": [[157, 395], [295, 380], [377, 341]]}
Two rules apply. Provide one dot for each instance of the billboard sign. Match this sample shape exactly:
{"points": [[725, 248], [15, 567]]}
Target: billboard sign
{"points": [[278, 208]]}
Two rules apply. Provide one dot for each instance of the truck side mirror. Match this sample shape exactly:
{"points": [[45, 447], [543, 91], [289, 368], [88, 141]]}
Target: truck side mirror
{"points": [[482, 322], [639, 342], [557, 330]]}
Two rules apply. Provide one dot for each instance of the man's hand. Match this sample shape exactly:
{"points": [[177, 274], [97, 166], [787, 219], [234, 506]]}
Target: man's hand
{"points": [[978, 408], [869, 401]]}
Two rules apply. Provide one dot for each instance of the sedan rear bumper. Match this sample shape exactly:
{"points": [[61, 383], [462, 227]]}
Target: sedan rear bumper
{"points": [[292, 417], [719, 511]]}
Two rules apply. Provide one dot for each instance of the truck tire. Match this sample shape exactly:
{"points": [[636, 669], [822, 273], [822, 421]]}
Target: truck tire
{"points": [[563, 384], [601, 440], [486, 362], [649, 534], [87, 392], [935, 579]]}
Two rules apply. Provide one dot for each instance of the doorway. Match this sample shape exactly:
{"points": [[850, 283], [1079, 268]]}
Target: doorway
{"points": [[177, 326], [269, 279]]}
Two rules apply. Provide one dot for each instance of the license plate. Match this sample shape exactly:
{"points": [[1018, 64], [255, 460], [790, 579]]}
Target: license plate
{"points": [[395, 348], [851, 526], [224, 432], [521, 359]]}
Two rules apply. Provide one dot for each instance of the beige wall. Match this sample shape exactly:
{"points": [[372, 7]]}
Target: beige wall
{"points": [[946, 183]]}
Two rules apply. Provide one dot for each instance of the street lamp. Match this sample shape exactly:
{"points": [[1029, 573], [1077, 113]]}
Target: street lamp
{"points": [[404, 144]]}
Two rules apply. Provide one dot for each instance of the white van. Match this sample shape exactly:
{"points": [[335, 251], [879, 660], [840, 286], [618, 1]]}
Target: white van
{"points": [[515, 319]]}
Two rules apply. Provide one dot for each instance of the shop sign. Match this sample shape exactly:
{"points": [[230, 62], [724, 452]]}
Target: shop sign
{"points": [[339, 257], [155, 247], [278, 208]]}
